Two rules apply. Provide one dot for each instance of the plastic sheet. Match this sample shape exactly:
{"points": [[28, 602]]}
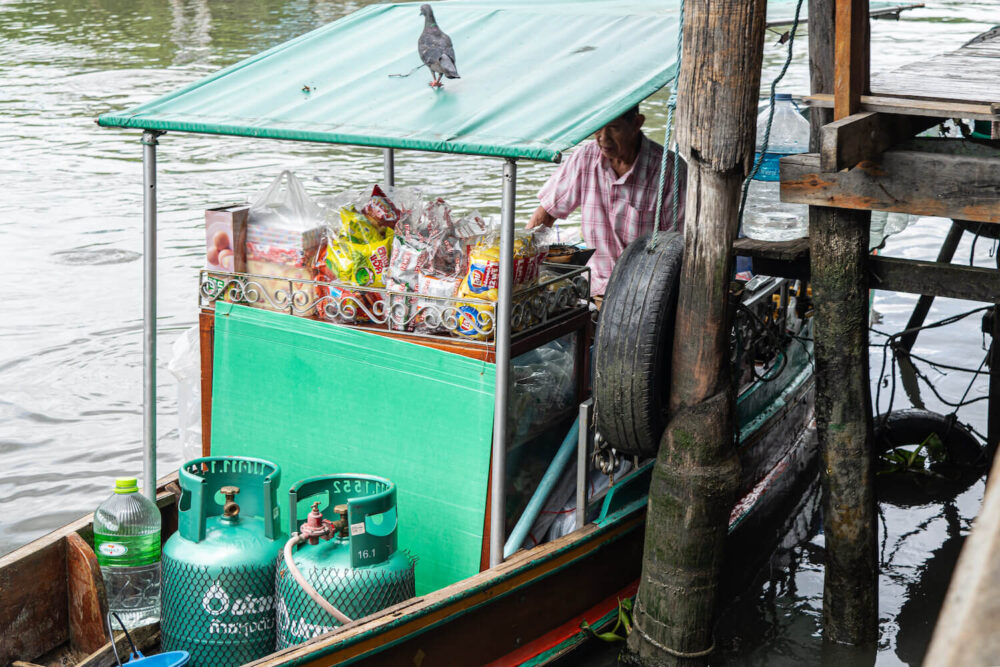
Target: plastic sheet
{"points": [[185, 366]]}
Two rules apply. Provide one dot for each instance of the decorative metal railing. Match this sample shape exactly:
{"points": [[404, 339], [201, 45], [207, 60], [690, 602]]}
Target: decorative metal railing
{"points": [[560, 289]]}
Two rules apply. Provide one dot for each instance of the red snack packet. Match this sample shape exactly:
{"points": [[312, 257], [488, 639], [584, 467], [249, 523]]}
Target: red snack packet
{"points": [[380, 210]]}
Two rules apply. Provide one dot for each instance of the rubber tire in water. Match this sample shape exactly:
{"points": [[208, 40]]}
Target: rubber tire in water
{"points": [[964, 464], [634, 343]]}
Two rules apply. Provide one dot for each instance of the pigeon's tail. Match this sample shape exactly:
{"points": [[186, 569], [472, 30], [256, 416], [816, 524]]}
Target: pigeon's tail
{"points": [[448, 67]]}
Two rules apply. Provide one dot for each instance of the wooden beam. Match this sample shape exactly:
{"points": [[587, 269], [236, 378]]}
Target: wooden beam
{"points": [[955, 281], [919, 314], [894, 274], [782, 259], [908, 106], [964, 187], [822, 14], [850, 57], [865, 135]]}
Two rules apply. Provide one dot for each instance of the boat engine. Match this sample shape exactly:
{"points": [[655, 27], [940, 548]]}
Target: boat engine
{"points": [[347, 555], [218, 568]]}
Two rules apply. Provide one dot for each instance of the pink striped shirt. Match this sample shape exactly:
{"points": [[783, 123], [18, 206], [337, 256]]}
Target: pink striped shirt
{"points": [[615, 210]]}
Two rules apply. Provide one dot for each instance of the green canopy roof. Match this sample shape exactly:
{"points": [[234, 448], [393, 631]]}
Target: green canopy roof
{"points": [[537, 78], [534, 82]]}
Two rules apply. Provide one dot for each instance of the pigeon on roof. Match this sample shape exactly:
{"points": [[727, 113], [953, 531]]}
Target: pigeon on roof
{"points": [[435, 49]]}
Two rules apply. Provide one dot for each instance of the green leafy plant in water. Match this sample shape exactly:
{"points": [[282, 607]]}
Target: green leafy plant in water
{"points": [[901, 460], [624, 622]]}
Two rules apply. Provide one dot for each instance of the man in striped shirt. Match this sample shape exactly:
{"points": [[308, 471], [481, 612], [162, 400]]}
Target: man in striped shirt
{"points": [[613, 181]]}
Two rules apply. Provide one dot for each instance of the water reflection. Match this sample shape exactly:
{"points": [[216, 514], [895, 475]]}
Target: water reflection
{"points": [[190, 30]]}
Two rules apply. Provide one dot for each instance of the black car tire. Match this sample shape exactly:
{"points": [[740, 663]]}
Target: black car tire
{"points": [[965, 459], [633, 345]]}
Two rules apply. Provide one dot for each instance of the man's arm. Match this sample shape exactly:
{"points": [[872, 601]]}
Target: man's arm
{"points": [[540, 218], [561, 194]]}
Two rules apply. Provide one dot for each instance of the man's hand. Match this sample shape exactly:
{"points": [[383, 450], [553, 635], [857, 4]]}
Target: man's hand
{"points": [[539, 218]]}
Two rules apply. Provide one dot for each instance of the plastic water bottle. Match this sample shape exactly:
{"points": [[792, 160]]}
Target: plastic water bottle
{"points": [[127, 542], [765, 217]]}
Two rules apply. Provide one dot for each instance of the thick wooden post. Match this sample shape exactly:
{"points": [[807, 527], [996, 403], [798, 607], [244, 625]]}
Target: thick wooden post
{"points": [[697, 470], [838, 246]]}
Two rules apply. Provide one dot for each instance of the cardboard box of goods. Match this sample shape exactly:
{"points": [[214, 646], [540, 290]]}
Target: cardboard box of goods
{"points": [[225, 238]]}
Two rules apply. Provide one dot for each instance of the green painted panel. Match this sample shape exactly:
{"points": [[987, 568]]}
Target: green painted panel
{"points": [[316, 398]]}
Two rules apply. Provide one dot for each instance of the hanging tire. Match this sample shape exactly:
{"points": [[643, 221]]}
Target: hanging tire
{"points": [[633, 345], [963, 464]]}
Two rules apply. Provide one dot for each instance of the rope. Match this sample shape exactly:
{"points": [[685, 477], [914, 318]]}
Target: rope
{"points": [[770, 115], [671, 107], [890, 345], [666, 649]]}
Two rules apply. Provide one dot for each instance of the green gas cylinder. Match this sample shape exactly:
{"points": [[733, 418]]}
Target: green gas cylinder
{"points": [[351, 557], [218, 568]]}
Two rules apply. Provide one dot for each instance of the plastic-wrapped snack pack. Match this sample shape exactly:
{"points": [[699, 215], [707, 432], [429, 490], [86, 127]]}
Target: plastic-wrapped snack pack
{"points": [[429, 258], [482, 279], [359, 249]]}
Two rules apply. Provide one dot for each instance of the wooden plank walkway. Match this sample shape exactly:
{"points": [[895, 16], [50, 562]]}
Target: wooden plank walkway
{"points": [[970, 74]]}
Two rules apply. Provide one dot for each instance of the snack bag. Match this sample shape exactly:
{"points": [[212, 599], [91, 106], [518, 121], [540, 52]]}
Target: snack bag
{"points": [[430, 257], [482, 279], [381, 210], [339, 304], [476, 320], [429, 311], [358, 253]]}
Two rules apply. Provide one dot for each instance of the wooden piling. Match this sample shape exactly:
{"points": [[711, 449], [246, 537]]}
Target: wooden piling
{"points": [[838, 246], [838, 240], [697, 471]]}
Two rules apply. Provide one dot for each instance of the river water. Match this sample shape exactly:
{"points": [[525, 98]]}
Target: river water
{"points": [[70, 241]]}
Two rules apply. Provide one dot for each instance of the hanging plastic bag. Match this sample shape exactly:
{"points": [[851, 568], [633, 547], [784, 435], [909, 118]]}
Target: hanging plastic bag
{"points": [[185, 366], [284, 231]]}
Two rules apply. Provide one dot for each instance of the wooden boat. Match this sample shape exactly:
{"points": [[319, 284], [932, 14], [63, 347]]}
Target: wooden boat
{"points": [[525, 609]]}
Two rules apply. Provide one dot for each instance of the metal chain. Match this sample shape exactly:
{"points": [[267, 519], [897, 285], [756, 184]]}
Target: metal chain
{"points": [[671, 107], [770, 115]]}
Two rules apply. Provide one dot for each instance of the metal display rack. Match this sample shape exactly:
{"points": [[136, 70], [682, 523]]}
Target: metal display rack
{"points": [[562, 289]]}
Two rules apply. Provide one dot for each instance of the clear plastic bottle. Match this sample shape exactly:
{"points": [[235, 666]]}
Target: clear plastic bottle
{"points": [[765, 217], [127, 542]]}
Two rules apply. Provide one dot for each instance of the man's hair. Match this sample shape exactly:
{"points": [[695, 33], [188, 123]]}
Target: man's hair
{"points": [[630, 113]]}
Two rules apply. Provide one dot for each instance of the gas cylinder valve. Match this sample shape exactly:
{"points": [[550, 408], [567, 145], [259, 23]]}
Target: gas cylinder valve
{"points": [[230, 509], [316, 527]]}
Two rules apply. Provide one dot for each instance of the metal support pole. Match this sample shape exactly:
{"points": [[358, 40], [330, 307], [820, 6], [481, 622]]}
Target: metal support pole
{"points": [[388, 166], [581, 463], [924, 303], [149, 314], [504, 299]]}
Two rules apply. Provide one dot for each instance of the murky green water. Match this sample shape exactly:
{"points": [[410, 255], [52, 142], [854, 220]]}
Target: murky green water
{"points": [[70, 311]]}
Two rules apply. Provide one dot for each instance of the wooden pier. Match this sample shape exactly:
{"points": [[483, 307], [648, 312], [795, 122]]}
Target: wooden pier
{"points": [[867, 158]]}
